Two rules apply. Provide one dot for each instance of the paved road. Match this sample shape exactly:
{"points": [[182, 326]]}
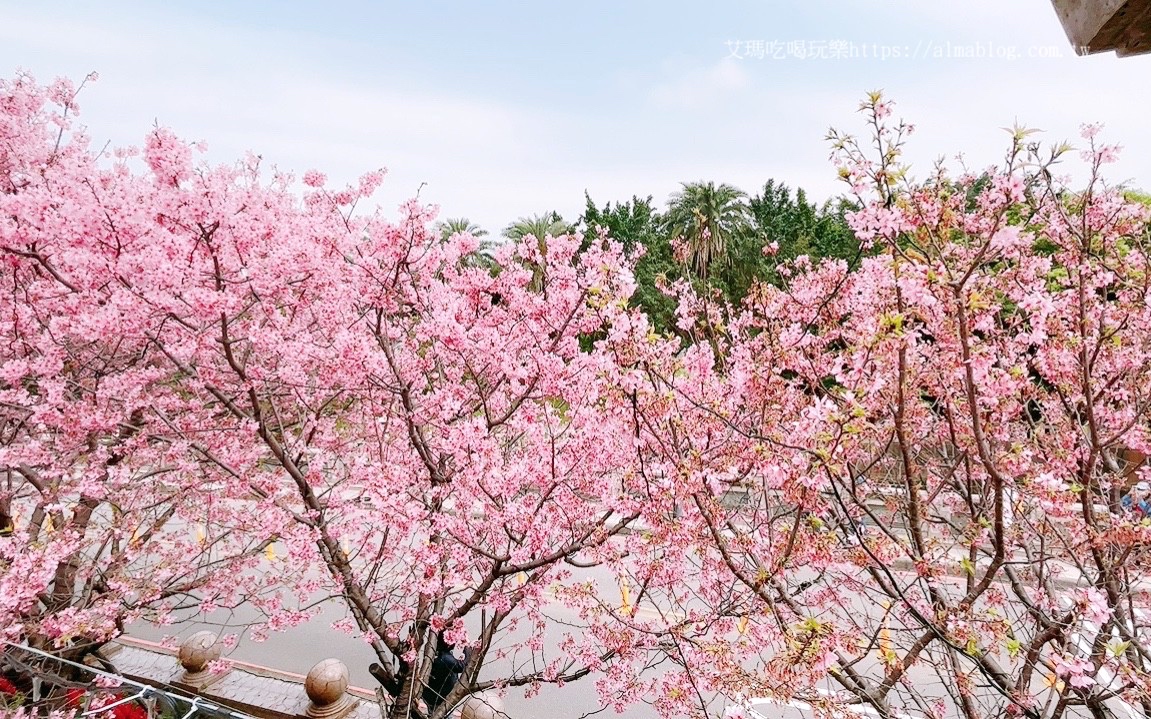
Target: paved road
{"points": [[300, 648]]}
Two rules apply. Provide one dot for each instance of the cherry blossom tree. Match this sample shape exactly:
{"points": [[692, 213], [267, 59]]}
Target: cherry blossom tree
{"points": [[899, 486], [100, 505], [218, 392], [905, 483], [435, 445]]}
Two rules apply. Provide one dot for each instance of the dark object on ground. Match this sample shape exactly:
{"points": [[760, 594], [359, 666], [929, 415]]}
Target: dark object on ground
{"points": [[446, 669], [390, 684]]}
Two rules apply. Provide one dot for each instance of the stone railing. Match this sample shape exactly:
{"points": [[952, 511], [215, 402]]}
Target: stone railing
{"points": [[196, 668]]}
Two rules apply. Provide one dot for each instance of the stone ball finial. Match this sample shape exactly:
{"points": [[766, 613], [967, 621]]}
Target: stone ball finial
{"points": [[326, 686], [196, 652], [483, 705]]}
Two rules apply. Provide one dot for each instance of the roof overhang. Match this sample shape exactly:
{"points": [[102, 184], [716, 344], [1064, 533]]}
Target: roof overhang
{"points": [[1095, 26]]}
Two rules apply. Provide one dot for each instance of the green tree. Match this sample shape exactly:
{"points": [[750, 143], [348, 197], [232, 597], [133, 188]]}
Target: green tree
{"points": [[459, 225], [799, 227], [796, 225], [1143, 198], [708, 218], [538, 227], [483, 255], [636, 224]]}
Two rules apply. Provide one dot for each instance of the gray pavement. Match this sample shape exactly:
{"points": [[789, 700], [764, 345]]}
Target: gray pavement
{"points": [[301, 647]]}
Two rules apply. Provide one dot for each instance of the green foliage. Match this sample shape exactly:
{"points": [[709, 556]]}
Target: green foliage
{"points": [[708, 218], [457, 226], [538, 226], [796, 227], [727, 268], [800, 227], [636, 225], [1143, 198], [482, 256]]}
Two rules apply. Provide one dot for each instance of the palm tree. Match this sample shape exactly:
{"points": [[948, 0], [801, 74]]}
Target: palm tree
{"points": [[549, 224], [483, 255], [538, 227], [459, 226], [707, 217]]}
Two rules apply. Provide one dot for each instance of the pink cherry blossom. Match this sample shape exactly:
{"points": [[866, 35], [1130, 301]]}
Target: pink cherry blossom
{"points": [[903, 480]]}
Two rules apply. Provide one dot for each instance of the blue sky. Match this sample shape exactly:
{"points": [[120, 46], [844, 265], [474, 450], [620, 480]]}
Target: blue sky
{"points": [[511, 108]]}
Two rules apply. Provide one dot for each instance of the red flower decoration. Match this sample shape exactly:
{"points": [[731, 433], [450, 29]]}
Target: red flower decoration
{"points": [[74, 698], [129, 711]]}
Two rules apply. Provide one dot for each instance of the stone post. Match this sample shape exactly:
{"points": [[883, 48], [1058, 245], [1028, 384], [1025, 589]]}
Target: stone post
{"points": [[483, 705], [196, 653], [327, 689]]}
